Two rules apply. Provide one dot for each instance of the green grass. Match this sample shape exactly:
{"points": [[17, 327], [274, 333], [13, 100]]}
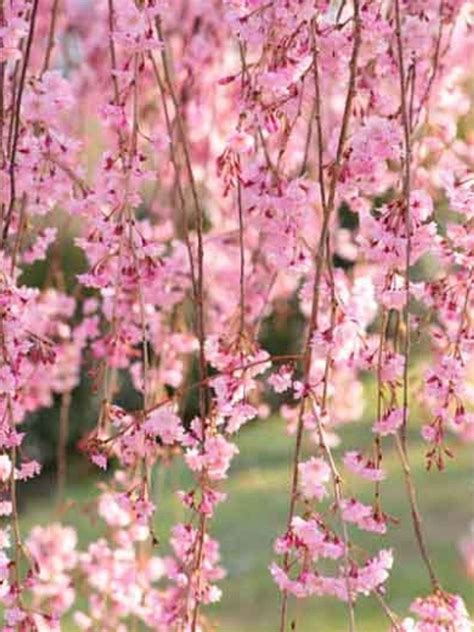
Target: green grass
{"points": [[255, 514]]}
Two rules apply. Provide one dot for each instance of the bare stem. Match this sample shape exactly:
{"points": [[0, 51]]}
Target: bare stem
{"points": [[199, 302], [51, 35], [415, 513], [401, 440], [16, 117], [61, 457], [406, 195], [242, 257], [328, 208]]}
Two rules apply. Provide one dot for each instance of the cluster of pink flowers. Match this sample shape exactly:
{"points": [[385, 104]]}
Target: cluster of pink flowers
{"points": [[437, 612], [310, 540], [222, 165]]}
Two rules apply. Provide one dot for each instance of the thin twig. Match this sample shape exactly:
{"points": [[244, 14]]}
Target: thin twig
{"points": [[319, 262], [401, 440], [199, 300], [415, 513], [61, 458], [51, 34], [17, 117]]}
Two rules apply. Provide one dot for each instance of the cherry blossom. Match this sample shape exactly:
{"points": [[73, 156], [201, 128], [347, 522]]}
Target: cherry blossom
{"points": [[225, 172]]}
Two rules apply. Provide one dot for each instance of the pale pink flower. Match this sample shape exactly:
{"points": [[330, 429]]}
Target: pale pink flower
{"points": [[5, 468], [389, 423], [314, 475], [442, 611], [282, 379], [165, 424], [358, 464]]}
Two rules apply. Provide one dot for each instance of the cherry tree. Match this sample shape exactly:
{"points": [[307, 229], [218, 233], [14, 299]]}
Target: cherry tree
{"points": [[206, 155]]}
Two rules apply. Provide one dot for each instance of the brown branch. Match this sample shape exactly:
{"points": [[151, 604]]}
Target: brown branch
{"points": [[415, 513], [51, 34], [436, 58], [2, 96], [319, 261], [401, 440], [177, 170], [242, 258], [16, 116], [406, 196], [61, 455], [199, 299]]}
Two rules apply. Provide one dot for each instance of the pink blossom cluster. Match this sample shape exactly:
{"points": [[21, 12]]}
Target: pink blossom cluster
{"points": [[223, 167]]}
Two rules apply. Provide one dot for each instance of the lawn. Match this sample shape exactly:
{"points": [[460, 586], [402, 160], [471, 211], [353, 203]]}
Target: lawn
{"points": [[255, 513]]}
